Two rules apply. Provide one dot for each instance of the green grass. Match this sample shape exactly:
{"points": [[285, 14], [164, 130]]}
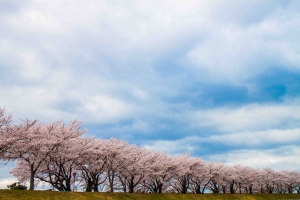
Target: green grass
{"points": [[48, 195]]}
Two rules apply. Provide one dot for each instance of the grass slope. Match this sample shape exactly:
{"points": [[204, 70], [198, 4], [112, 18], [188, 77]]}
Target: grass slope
{"points": [[48, 195]]}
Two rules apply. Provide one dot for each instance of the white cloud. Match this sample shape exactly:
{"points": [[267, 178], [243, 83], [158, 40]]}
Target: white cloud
{"points": [[249, 117], [23, 63], [5, 177], [173, 147], [257, 138], [236, 52], [33, 102], [279, 158], [104, 108], [125, 28], [100, 55], [31, 68], [282, 158], [7, 181]]}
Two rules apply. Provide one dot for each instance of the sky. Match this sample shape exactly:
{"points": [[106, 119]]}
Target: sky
{"points": [[217, 79]]}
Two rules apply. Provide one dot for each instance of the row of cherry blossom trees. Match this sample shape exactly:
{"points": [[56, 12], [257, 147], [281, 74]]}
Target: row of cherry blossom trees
{"points": [[51, 153]]}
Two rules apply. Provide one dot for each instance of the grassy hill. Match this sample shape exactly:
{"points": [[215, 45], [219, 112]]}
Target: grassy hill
{"points": [[48, 195]]}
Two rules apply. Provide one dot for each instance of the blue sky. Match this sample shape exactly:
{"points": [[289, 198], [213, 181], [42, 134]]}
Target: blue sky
{"points": [[217, 79]]}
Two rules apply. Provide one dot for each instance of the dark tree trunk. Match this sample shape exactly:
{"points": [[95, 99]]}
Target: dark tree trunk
{"points": [[159, 186], [184, 186], [32, 174], [215, 189], [250, 189], [131, 185], [198, 189], [270, 189], [224, 189], [89, 185], [95, 186], [68, 185], [154, 187], [203, 189], [232, 191], [111, 182]]}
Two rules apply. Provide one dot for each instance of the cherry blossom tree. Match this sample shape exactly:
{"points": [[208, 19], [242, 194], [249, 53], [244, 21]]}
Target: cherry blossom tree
{"points": [[91, 162], [267, 180], [162, 170], [297, 182], [247, 179], [234, 176], [115, 161], [9, 135], [181, 180], [135, 169], [200, 176], [216, 174], [21, 171], [286, 181], [226, 180], [292, 181], [5, 120], [40, 140], [57, 169]]}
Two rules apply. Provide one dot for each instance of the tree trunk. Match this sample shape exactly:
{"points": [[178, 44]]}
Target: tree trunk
{"points": [[198, 189], [232, 191], [96, 188], [203, 189], [95, 184], [250, 189], [184, 186], [270, 189], [32, 173], [262, 190], [68, 185], [111, 185], [215, 188], [111, 181], [224, 189], [159, 186], [130, 185], [89, 185]]}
